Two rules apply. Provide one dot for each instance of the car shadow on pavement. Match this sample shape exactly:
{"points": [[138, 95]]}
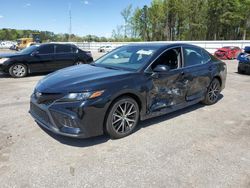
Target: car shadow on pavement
{"points": [[243, 74], [87, 142], [77, 142], [159, 119], [5, 75]]}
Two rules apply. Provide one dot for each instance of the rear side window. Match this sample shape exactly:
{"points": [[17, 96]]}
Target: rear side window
{"points": [[74, 50], [46, 49], [63, 49], [206, 56], [194, 56]]}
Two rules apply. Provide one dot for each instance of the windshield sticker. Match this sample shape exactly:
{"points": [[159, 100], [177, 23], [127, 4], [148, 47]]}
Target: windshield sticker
{"points": [[145, 52]]}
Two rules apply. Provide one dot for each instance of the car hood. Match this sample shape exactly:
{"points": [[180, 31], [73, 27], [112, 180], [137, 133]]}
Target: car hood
{"points": [[12, 55], [81, 78]]}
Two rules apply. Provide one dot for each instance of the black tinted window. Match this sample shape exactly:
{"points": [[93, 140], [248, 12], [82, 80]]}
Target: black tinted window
{"points": [[193, 56], [47, 49], [63, 49], [74, 50], [171, 58]]}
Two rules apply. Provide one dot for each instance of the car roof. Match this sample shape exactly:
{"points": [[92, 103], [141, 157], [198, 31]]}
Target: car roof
{"points": [[53, 43], [162, 45]]}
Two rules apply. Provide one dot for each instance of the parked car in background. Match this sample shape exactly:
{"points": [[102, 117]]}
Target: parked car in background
{"points": [[6, 44], [105, 49], [113, 93], [227, 52], [244, 61], [43, 58]]}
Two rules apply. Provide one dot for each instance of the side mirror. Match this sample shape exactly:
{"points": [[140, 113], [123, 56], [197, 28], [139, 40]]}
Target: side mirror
{"points": [[35, 53], [161, 68]]}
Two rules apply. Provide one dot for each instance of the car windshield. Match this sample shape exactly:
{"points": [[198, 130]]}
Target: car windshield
{"points": [[29, 50], [127, 57]]}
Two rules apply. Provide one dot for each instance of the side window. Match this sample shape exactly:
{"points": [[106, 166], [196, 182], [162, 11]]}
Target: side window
{"points": [[74, 50], [171, 58], [47, 49], [206, 56], [194, 56], [63, 49]]}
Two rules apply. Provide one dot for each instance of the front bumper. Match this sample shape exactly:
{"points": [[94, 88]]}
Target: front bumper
{"points": [[79, 119]]}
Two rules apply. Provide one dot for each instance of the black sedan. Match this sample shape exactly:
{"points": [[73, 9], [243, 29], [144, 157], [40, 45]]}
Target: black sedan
{"points": [[43, 58], [112, 94]]}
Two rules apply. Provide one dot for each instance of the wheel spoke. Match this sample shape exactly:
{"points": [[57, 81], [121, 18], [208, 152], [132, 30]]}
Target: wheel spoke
{"points": [[131, 113], [121, 110], [119, 127], [116, 121], [130, 120], [116, 115]]}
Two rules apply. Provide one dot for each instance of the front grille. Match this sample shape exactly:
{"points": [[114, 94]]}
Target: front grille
{"points": [[40, 114], [47, 98]]}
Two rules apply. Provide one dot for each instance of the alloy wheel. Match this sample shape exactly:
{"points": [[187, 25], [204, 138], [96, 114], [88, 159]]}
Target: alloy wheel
{"points": [[124, 117], [214, 91]]}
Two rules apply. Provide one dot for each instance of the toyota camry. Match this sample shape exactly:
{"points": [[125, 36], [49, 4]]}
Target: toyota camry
{"points": [[129, 84]]}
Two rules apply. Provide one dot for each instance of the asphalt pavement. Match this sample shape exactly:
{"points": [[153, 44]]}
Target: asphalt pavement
{"points": [[200, 146]]}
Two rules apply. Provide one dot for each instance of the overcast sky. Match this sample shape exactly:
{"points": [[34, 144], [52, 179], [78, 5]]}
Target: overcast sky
{"points": [[97, 17]]}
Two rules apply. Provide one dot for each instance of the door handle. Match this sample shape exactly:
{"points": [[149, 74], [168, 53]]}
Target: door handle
{"points": [[210, 68], [182, 73]]}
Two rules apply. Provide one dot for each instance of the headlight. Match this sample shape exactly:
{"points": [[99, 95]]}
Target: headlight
{"points": [[2, 60], [71, 97]]}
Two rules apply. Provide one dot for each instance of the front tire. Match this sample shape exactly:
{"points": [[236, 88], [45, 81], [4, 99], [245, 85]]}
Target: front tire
{"points": [[122, 118], [213, 92], [18, 70]]}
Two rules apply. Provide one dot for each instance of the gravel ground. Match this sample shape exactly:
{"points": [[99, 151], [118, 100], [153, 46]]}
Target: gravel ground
{"points": [[200, 146]]}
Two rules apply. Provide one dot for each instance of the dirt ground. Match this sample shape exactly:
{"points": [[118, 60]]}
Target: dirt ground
{"points": [[200, 146]]}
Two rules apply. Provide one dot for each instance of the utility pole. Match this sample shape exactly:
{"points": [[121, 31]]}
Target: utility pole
{"points": [[70, 23]]}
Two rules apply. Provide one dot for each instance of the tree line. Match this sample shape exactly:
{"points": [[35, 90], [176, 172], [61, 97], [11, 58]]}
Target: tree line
{"points": [[47, 36], [186, 20], [166, 20]]}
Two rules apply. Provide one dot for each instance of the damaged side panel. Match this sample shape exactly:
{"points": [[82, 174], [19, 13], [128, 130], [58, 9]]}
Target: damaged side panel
{"points": [[167, 90], [178, 87]]}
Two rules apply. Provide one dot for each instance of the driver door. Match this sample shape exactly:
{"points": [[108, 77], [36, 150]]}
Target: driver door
{"points": [[168, 88]]}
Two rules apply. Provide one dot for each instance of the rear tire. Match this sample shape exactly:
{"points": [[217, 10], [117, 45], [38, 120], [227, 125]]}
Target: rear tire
{"points": [[213, 92], [122, 118], [18, 70], [240, 71]]}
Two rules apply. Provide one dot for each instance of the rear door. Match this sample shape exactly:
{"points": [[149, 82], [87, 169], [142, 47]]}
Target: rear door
{"points": [[64, 56], [197, 69]]}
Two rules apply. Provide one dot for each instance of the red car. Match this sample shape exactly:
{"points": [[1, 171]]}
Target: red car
{"points": [[228, 52]]}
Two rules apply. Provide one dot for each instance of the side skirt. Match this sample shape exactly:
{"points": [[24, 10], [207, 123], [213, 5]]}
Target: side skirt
{"points": [[171, 109]]}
